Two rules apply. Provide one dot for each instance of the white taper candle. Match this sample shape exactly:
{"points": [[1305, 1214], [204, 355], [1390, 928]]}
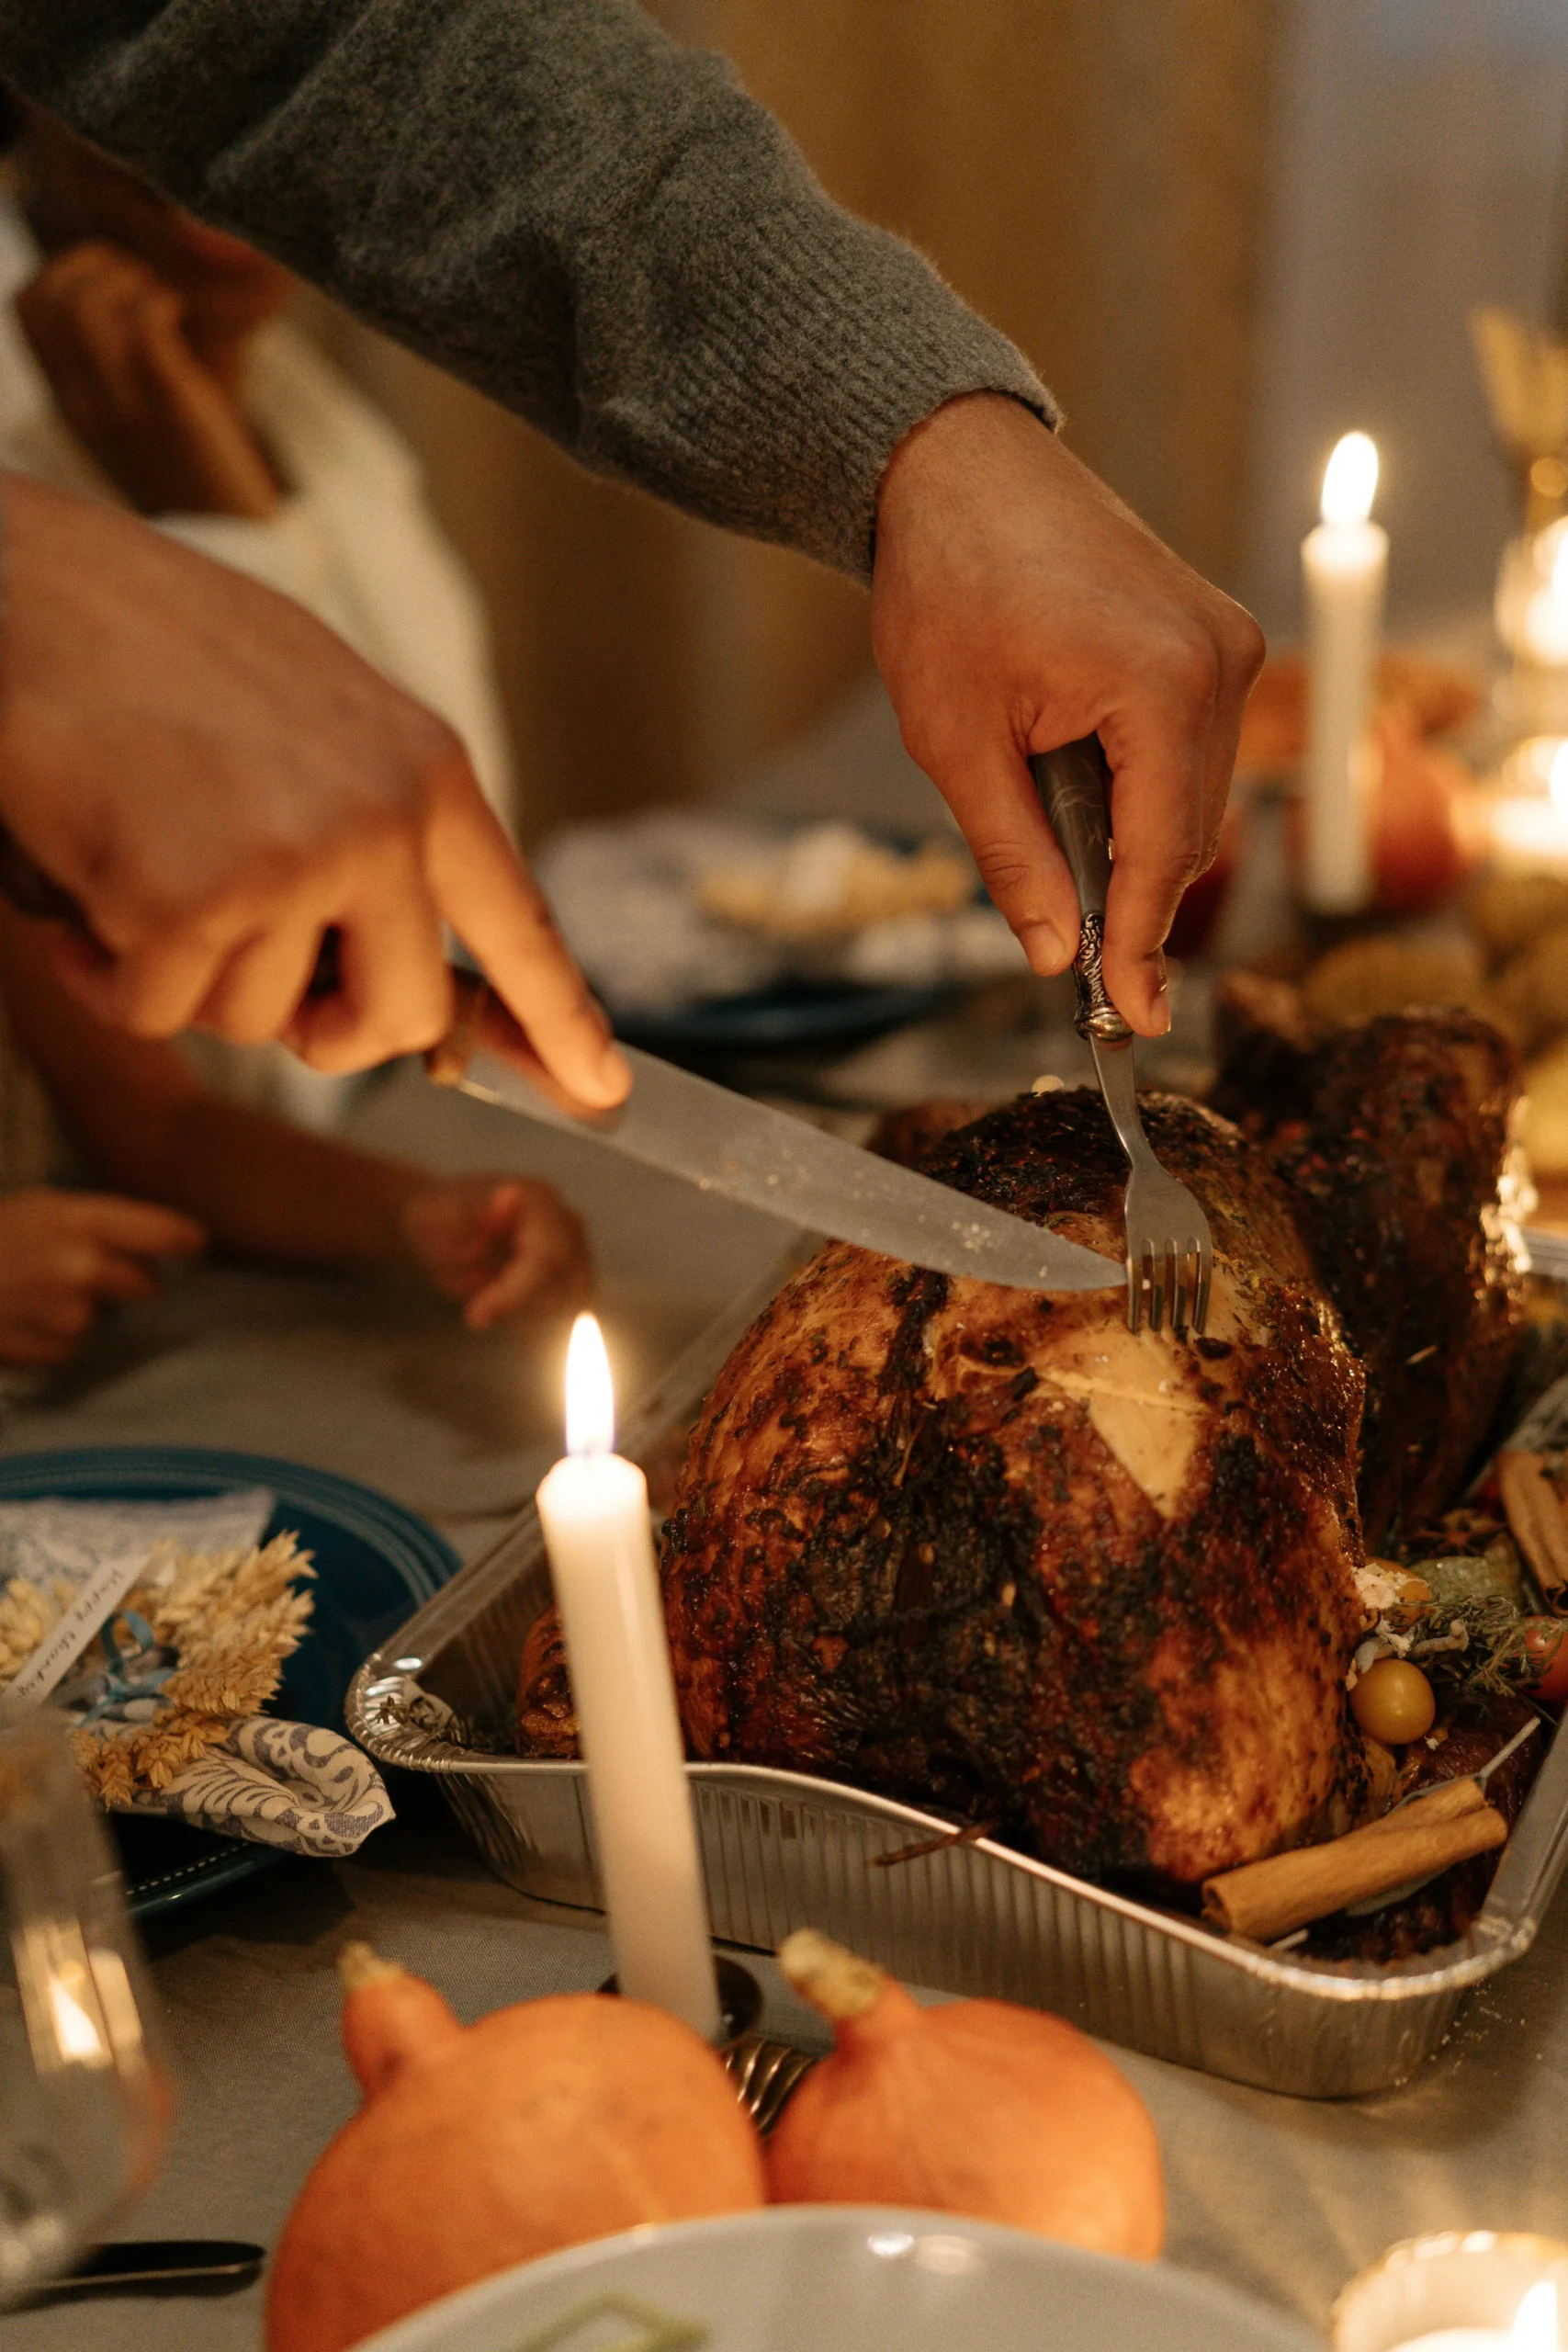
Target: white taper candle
{"points": [[1345, 566], [593, 1509]]}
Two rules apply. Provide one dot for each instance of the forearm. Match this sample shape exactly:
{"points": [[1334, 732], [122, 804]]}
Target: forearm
{"points": [[552, 199], [262, 1188]]}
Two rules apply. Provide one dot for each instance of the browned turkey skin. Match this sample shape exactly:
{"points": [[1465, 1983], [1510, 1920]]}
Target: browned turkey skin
{"points": [[1390, 1139], [991, 1551]]}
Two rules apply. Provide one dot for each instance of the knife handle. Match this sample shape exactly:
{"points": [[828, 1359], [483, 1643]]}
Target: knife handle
{"points": [[1072, 781], [446, 1062], [167, 2263]]}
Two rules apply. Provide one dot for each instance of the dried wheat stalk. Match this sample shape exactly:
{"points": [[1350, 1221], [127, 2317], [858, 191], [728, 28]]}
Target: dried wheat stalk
{"points": [[233, 1617]]}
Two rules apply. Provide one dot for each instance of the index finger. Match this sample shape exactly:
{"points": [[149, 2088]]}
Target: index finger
{"points": [[499, 913], [143, 1227]]}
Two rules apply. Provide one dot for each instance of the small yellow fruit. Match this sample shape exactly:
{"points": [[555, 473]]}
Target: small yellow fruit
{"points": [[1414, 1593], [1393, 1701]]}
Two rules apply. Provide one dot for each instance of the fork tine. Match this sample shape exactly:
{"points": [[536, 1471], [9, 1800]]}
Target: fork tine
{"points": [[1157, 1284], [1172, 1258], [1205, 1269], [1134, 1291], [1181, 1296]]}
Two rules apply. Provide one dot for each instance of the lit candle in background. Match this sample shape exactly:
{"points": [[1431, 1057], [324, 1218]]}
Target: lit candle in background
{"points": [[1345, 566], [593, 1509]]}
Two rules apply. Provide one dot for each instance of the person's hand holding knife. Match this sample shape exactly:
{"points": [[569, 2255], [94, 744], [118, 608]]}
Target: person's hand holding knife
{"points": [[215, 782]]}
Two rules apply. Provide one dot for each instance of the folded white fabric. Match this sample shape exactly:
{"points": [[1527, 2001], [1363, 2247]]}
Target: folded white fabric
{"points": [[80, 1559], [292, 1785]]}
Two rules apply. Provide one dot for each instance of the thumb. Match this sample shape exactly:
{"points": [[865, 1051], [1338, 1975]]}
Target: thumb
{"points": [[498, 1210]]}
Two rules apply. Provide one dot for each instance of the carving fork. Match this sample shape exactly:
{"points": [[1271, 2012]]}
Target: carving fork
{"points": [[1170, 1252]]}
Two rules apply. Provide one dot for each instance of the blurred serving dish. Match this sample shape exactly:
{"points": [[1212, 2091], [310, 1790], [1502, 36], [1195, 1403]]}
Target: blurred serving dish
{"points": [[1019, 1911], [839, 2278], [782, 1849], [699, 928]]}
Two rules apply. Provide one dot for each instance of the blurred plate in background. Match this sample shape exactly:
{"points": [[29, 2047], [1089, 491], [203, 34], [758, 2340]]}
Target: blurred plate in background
{"points": [[790, 1015]]}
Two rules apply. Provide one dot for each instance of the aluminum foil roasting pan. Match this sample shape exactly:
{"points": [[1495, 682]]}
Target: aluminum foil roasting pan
{"points": [[782, 1851]]}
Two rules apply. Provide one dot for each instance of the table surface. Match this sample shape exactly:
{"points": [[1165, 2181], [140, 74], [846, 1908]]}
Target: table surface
{"points": [[1281, 2198]]}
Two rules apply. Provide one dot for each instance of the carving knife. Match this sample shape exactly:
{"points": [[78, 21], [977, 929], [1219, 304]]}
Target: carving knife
{"points": [[738, 1150], [720, 1141]]}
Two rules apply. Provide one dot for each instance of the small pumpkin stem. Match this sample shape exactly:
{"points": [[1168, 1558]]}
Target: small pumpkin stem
{"points": [[359, 1964], [836, 1982]]}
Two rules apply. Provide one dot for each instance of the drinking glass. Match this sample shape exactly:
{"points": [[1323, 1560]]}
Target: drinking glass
{"points": [[85, 2100]]}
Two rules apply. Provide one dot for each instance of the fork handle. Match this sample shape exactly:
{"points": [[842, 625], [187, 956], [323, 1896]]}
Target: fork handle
{"points": [[1072, 781]]}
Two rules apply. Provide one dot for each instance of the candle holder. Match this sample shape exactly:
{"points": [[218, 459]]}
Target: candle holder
{"points": [[1464, 2282], [739, 1999], [764, 2072]]}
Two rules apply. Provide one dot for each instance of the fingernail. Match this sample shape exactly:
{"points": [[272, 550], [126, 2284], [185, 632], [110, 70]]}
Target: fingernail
{"points": [[1046, 949], [615, 1076]]}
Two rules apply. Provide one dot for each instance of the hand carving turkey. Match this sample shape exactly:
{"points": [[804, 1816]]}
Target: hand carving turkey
{"points": [[992, 1551]]}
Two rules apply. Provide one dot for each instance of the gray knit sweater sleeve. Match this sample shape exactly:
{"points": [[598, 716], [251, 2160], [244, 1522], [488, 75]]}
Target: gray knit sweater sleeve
{"points": [[551, 199]]}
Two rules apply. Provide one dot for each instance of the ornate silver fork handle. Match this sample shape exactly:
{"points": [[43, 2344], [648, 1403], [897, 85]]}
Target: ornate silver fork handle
{"points": [[1170, 1254], [764, 2073]]}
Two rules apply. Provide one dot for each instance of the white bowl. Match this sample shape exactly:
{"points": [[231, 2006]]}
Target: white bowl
{"points": [[839, 2278]]}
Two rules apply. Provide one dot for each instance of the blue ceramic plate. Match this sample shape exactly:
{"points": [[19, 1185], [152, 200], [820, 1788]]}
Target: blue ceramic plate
{"points": [[781, 1017], [375, 1563]]}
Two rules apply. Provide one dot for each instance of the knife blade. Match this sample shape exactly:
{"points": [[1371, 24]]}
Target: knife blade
{"points": [[738, 1150]]}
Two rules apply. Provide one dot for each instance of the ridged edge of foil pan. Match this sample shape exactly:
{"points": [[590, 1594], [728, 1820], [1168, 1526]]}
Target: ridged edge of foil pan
{"points": [[785, 1849]]}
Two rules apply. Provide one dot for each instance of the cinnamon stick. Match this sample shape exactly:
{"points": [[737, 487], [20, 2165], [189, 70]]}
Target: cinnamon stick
{"points": [[1537, 1520], [970, 1835], [1264, 1900], [1445, 1801]]}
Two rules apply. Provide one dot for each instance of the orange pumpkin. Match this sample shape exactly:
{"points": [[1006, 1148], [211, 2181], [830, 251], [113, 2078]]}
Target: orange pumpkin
{"points": [[479, 2147], [972, 2106]]}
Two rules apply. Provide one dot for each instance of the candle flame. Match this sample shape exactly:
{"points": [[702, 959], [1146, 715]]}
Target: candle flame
{"points": [[1535, 2322], [1350, 480], [589, 1392]]}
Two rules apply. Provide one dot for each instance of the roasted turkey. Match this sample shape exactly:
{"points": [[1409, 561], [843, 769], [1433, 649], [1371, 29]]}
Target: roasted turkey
{"points": [[990, 1551], [1390, 1138]]}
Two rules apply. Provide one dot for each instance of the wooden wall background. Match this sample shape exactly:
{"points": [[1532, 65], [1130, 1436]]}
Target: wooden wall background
{"points": [[1092, 175]]}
